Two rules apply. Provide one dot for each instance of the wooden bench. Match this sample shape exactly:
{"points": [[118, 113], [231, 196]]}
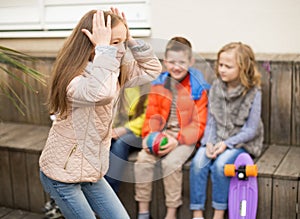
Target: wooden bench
{"points": [[20, 148], [278, 180], [279, 192], [20, 188], [278, 183]]}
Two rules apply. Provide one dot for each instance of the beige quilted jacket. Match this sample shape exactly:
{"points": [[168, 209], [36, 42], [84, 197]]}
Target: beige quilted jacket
{"points": [[77, 148]]}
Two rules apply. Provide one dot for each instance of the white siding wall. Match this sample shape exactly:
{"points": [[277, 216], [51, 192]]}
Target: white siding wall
{"points": [[269, 26]]}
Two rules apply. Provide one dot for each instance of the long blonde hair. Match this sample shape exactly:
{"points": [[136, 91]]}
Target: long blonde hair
{"points": [[249, 75], [72, 60]]}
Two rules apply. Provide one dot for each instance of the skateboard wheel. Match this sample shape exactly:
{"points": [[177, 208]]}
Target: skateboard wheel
{"points": [[229, 170], [251, 170]]}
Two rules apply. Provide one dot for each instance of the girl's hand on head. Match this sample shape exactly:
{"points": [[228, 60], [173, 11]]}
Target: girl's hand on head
{"points": [[167, 148], [122, 15], [101, 32]]}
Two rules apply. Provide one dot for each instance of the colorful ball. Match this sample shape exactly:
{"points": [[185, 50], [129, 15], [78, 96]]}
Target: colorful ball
{"points": [[155, 141]]}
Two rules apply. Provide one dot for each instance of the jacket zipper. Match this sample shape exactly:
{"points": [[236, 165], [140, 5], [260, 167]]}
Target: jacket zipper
{"points": [[71, 152]]}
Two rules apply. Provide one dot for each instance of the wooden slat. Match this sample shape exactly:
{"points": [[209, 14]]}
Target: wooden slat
{"points": [[264, 209], [209, 211], [127, 188], [298, 203], [23, 136], [296, 105], [37, 199], [5, 129], [14, 135], [267, 165], [19, 180], [206, 67], [36, 111], [158, 206], [265, 86], [5, 179], [289, 169], [184, 211], [126, 195], [281, 103], [270, 160], [284, 198], [285, 185]]}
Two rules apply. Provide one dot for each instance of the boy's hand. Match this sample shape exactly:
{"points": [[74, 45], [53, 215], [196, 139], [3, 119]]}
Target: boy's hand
{"points": [[167, 148], [101, 32], [144, 145]]}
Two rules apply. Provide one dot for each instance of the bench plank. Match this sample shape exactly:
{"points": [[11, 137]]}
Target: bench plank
{"points": [[285, 185], [290, 167], [296, 105], [5, 182], [267, 165], [270, 160], [126, 195], [281, 103], [284, 198], [24, 136], [265, 80], [184, 211], [35, 190], [19, 179]]}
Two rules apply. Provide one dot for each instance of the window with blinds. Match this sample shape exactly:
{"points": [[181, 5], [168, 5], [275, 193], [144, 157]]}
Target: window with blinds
{"points": [[56, 18]]}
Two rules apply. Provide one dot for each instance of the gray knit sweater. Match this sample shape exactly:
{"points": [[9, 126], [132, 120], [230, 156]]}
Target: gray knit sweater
{"points": [[235, 118]]}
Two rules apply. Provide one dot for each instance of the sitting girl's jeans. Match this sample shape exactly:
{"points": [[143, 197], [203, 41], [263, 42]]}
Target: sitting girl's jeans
{"points": [[84, 200], [199, 171], [119, 152]]}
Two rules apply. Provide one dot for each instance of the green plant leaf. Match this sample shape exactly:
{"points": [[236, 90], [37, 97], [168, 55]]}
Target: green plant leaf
{"points": [[14, 60]]}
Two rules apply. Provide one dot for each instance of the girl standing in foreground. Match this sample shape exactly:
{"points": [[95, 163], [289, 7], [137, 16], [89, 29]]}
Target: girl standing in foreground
{"points": [[234, 126], [86, 79]]}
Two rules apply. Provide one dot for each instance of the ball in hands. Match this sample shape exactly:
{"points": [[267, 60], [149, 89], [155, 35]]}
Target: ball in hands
{"points": [[155, 141]]}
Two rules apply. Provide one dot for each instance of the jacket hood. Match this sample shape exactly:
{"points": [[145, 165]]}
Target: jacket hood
{"points": [[198, 83]]}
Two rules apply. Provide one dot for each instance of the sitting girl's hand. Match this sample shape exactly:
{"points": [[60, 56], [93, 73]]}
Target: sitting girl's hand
{"points": [[210, 150], [118, 132], [220, 147]]}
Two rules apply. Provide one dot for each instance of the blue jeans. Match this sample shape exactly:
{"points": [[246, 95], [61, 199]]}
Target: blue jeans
{"points": [[119, 152], [199, 171], [84, 200]]}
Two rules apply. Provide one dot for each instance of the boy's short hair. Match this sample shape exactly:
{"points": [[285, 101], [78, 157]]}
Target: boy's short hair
{"points": [[179, 44]]}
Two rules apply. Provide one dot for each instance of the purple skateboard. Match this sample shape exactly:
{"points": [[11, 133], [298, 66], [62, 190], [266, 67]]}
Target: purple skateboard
{"points": [[243, 192]]}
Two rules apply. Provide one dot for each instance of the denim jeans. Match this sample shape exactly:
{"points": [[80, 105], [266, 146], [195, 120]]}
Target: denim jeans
{"points": [[119, 152], [84, 200], [199, 171]]}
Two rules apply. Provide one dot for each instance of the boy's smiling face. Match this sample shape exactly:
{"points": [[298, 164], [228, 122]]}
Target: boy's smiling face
{"points": [[177, 64]]}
